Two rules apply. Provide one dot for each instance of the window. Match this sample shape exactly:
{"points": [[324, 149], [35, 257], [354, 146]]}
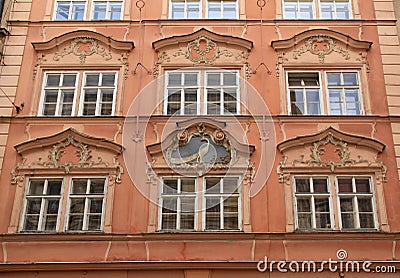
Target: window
{"points": [[86, 204], [356, 203], [354, 197], [98, 10], [70, 10], [61, 93], [313, 203], [342, 93], [181, 199], [312, 9], [103, 10], [195, 9], [42, 205], [45, 197], [202, 92]]}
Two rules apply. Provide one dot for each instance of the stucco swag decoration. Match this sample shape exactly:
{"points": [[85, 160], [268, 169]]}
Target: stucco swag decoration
{"points": [[320, 46], [68, 152], [202, 47], [83, 48], [330, 151]]}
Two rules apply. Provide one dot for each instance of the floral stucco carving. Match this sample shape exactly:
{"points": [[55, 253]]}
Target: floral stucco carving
{"points": [[58, 158], [202, 50], [321, 46], [343, 154], [83, 47]]}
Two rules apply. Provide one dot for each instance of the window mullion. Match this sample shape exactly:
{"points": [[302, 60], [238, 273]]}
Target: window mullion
{"points": [[42, 206]]}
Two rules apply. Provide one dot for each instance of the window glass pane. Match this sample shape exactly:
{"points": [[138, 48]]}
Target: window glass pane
{"points": [[350, 79], [52, 206], [99, 10], [213, 79], [77, 205], [97, 186], [365, 205], [303, 205], [321, 205], [229, 79], [188, 185], [334, 79], [53, 80], [92, 79], [54, 187], [367, 221], [214, 9], [322, 221], [302, 185], [362, 185], [115, 10], [178, 9], [345, 185], [170, 186], [62, 10], [75, 222], [36, 187], [50, 223], [168, 222], [213, 185], [346, 205], [193, 10], [230, 222], [190, 79], [213, 220], [94, 222], [33, 206], [230, 185], [290, 8], [327, 10], [78, 11], [306, 10], [108, 79], [31, 223], [79, 186], [229, 9], [304, 221], [347, 221], [174, 79], [320, 185], [95, 205]]}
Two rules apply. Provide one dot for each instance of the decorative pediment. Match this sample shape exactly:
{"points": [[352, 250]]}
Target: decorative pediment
{"points": [[68, 152], [82, 47], [202, 48], [321, 46], [330, 151], [198, 149]]}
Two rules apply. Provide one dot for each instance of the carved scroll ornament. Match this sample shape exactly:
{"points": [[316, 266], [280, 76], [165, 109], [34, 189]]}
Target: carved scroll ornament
{"points": [[83, 47], [55, 157]]}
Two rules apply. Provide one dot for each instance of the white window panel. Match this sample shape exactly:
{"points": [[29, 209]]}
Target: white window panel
{"points": [[222, 9], [222, 203], [70, 10], [185, 9], [86, 204], [107, 10], [58, 96], [98, 94], [321, 9], [42, 205], [356, 203], [178, 203], [313, 207], [335, 9], [299, 9]]}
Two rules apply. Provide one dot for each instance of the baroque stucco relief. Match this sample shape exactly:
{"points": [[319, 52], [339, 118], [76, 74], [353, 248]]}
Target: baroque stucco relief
{"points": [[83, 48], [202, 48], [330, 151], [320, 46], [68, 152]]}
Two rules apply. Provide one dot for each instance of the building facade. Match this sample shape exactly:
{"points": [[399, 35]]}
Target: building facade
{"points": [[199, 138]]}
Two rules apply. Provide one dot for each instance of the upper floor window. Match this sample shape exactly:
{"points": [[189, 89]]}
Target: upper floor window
{"points": [[317, 9], [314, 92], [70, 10], [95, 10], [79, 93], [182, 199], [195, 9], [208, 92], [45, 198], [351, 203]]}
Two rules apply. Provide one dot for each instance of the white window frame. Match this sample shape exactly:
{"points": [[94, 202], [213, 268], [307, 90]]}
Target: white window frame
{"points": [[222, 9], [178, 197], [107, 9], [312, 196], [222, 196], [203, 10], [86, 196], [343, 96], [335, 11], [70, 10], [321, 99], [59, 88], [324, 92], [98, 88], [317, 12], [354, 196], [185, 12], [42, 208], [314, 15], [202, 92], [182, 88]]}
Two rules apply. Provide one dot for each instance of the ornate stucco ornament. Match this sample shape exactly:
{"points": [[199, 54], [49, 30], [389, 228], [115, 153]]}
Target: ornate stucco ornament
{"points": [[202, 50], [200, 151], [321, 46], [61, 158], [83, 47], [317, 151]]}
